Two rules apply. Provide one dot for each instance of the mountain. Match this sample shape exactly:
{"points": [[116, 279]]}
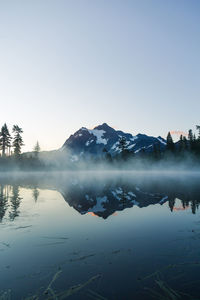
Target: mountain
{"points": [[93, 141]]}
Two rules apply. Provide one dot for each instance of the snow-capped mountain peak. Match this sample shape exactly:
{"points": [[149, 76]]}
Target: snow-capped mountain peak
{"points": [[94, 141]]}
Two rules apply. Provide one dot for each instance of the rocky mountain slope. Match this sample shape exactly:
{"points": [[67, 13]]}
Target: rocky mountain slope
{"points": [[94, 141]]}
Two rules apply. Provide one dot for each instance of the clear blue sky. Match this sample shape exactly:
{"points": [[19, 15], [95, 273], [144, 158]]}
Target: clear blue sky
{"points": [[65, 64]]}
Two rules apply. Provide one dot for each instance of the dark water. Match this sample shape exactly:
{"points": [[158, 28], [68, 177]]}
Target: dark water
{"points": [[100, 236]]}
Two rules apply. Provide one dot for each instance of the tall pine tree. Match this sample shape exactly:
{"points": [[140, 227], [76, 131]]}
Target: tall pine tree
{"points": [[170, 143], [190, 135], [191, 140], [36, 149], [181, 144], [5, 139], [18, 141], [198, 128], [198, 141]]}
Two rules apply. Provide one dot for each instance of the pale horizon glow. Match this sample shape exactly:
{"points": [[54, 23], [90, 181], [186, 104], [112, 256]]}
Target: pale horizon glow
{"points": [[132, 64]]}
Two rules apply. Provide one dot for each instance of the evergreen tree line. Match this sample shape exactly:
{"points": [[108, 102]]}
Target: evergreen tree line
{"points": [[189, 144], [11, 144], [11, 156], [185, 146]]}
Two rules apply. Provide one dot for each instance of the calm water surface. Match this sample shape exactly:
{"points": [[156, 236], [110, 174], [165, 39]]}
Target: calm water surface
{"points": [[100, 236]]}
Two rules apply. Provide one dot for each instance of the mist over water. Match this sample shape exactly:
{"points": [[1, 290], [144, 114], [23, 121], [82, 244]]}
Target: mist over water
{"points": [[64, 160], [99, 235]]}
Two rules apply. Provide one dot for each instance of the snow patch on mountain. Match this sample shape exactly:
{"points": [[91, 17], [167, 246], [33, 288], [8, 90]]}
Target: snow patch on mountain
{"points": [[131, 146], [98, 133], [89, 142], [161, 141], [115, 146], [133, 138], [138, 150]]}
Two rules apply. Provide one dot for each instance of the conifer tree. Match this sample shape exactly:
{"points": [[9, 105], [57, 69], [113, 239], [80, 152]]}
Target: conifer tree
{"points": [[17, 141], [195, 144], [170, 143], [5, 139], [198, 141], [191, 140], [122, 144], [185, 143], [181, 144], [190, 135], [123, 147], [36, 149], [198, 128]]}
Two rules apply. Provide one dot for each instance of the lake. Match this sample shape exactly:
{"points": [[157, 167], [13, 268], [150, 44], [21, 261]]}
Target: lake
{"points": [[106, 235]]}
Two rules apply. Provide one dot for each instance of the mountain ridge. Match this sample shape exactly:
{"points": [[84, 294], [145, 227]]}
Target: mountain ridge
{"points": [[86, 141]]}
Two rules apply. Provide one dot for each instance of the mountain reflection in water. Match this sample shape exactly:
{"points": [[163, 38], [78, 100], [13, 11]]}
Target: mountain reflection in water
{"points": [[102, 198]]}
